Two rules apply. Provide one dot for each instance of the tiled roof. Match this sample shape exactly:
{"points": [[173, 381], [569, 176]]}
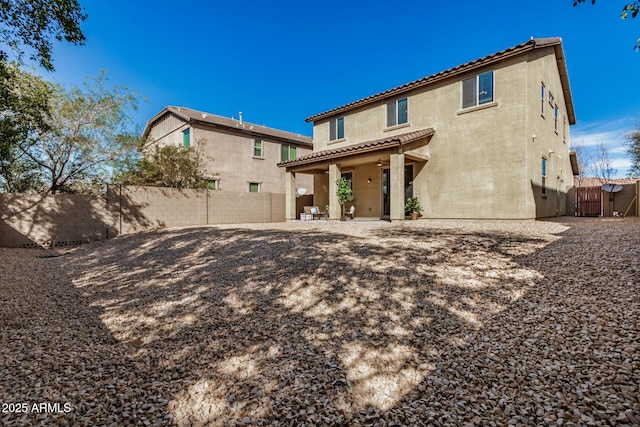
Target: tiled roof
{"points": [[532, 44], [363, 147], [598, 182], [191, 115]]}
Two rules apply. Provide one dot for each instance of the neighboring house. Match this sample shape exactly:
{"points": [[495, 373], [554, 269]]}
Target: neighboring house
{"points": [[239, 156], [486, 139]]}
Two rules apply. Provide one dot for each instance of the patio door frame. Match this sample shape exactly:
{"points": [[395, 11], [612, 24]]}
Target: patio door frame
{"points": [[385, 205]]}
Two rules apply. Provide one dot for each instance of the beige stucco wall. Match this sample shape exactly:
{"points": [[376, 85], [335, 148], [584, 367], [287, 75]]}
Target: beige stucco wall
{"points": [[168, 130], [552, 145], [482, 161], [229, 155]]}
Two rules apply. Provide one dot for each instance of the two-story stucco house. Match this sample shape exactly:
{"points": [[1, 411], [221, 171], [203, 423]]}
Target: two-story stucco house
{"points": [[486, 139], [239, 156]]}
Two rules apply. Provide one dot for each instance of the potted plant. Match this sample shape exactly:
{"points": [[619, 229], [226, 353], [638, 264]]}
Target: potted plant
{"points": [[413, 207], [344, 194]]}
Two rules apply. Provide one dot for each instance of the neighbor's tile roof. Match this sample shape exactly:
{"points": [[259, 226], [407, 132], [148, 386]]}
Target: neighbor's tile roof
{"points": [[532, 44], [598, 182], [363, 147], [214, 120]]}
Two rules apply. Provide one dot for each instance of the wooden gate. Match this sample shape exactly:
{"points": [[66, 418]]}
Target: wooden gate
{"points": [[588, 201]]}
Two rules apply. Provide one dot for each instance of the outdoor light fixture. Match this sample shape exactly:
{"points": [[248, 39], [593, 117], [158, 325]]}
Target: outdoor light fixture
{"points": [[369, 180], [379, 163]]}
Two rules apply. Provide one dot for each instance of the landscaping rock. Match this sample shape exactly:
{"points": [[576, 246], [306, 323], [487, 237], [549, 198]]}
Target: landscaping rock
{"points": [[323, 323]]}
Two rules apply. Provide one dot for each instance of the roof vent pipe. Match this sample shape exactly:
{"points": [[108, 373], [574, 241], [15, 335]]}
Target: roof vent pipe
{"points": [[240, 114]]}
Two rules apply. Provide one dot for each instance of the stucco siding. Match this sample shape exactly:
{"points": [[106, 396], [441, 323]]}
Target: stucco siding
{"points": [[168, 130], [230, 157], [548, 143], [476, 157]]}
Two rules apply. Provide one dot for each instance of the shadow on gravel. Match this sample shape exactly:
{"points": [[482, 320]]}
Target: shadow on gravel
{"points": [[310, 327], [405, 325]]}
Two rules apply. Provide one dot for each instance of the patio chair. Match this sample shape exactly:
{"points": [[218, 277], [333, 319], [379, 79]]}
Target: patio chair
{"points": [[351, 212]]}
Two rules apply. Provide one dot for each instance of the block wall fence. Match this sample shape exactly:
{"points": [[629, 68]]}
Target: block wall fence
{"points": [[28, 220]]}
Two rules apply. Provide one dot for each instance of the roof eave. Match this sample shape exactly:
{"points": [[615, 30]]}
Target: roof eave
{"points": [[564, 79], [573, 159], [367, 147]]}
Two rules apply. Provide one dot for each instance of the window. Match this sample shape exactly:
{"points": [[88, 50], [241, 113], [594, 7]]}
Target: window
{"points": [[542, 99], [397, 112], [544, 176], [186, 139], [348, 176], [213, 184], [288, 152], [552, 100], [477, 90], [254, 187], [555, 117], [257, 148], [336, 129]]}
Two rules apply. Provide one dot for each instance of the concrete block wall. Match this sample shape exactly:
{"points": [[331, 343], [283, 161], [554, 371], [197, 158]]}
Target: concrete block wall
{"points": [[63, 219], [53, 220], [237, 208], [142, 208]]}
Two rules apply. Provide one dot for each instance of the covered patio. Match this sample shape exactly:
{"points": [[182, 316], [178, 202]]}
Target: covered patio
{"points": [[379, 172]]}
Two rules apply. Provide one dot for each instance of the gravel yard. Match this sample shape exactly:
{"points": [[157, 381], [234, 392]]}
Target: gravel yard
{"points": [[315, 323]]}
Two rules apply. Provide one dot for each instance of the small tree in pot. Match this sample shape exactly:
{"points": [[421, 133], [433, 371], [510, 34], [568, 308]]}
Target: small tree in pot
{"points": [[344, 194], [413, 207]]}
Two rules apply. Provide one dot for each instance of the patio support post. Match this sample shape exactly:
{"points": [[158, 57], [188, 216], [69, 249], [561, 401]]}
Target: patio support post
{"points": [[334, 204], [397, 186], [290, 196]]}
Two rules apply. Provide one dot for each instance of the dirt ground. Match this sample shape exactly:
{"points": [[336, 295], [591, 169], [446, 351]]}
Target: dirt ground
{"points": [[316, 323]]}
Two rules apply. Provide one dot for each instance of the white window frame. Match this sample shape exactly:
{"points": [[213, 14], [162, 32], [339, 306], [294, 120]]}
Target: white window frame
{"points": [[290, 148], [258, 183], [477, 90], [261, 156], [216, 184], [542, 98]]}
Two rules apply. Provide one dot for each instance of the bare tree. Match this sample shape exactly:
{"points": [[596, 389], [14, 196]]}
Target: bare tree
{"points": [[602, 164], [585, 159]]}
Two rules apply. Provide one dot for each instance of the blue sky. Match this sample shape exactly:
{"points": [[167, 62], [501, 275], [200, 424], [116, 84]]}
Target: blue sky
{"points": [[281, 61]]}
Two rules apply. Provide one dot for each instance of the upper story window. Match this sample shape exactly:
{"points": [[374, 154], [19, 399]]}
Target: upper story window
{"points": [[555, 117], [186, 138], [258, 147], [542, 98], [552, 100], [336, 129], [477, 90], [288, 152], [397, 112]]}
